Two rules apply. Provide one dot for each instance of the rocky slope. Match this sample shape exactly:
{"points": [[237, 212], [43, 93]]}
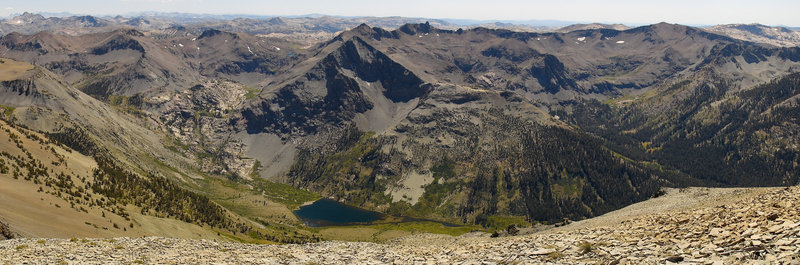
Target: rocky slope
{"points": [[694, 226]]}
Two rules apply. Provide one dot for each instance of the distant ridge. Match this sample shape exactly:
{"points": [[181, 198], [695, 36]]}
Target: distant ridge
{"points": [[778, 36]]}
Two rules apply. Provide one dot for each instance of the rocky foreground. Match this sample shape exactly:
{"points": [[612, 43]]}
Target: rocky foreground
{"points": [[758, 229]]}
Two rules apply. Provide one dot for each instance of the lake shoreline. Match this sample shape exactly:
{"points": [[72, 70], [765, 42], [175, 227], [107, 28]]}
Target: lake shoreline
{"points": [[330, 213]]}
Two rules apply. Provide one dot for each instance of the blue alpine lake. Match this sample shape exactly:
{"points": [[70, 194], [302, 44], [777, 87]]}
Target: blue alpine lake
{"points": [[327, 212]]}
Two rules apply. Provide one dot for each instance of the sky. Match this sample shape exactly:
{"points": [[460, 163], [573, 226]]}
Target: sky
{"points": [[689, 12]]}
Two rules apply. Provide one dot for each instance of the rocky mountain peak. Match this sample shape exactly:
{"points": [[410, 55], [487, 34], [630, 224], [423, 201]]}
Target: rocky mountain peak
{"points": [[137, 21], [27, 18], [412, 29], [42, 42], [129, 32], [215, 32], [363, 31], [661, 27], [89, 21], [120, 40], [276, 21]]}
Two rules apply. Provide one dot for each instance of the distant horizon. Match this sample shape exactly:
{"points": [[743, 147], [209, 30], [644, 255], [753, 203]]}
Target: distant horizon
{"points": [[628, 12], [455, 21]]}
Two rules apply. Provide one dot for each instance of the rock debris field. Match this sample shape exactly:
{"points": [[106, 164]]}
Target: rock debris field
{"points": [[753, 228]]}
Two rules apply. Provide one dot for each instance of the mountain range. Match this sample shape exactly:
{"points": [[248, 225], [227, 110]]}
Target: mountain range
{"points": [[250, 118], [315, 28]]}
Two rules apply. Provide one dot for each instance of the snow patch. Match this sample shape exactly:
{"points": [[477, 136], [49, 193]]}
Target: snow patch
{"points": [[620, 42], [180, 44], [582, 39], [249, 50], [276, 48]]}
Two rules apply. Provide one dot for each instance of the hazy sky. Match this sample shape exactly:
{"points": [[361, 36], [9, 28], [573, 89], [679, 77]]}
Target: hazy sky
{"points": [[770, 12]]}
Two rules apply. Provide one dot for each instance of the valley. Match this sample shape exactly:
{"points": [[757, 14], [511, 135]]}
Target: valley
{"points": [[223, 129]]}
